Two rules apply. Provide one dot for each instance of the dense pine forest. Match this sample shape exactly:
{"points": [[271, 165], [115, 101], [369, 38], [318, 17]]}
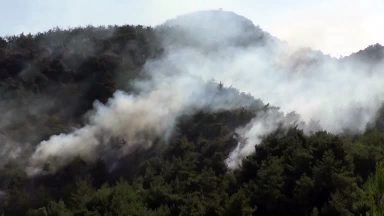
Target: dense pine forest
{"points": [[52, 82]]}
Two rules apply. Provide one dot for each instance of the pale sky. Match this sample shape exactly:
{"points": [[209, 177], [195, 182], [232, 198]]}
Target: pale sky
{"points": [[336, 27]]}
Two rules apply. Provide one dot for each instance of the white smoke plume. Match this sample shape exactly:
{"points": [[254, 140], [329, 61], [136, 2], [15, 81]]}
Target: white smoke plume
{"points": [[136, 119], [327, 93], [251, 134]]}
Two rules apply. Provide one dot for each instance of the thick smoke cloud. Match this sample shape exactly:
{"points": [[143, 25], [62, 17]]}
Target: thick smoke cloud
{"points": [[326, 93], [137, 119]]}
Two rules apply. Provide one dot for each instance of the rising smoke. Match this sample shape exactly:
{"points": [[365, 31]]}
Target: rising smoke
{"points": [[326, 93]]}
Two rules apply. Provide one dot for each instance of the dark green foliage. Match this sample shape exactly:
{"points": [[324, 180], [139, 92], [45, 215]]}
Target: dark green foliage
{"points": [[374, 193], [289, 174], [298, 173]]}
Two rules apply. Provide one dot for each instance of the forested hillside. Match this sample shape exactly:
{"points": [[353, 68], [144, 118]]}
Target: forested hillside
{"points": [[133, 120]]}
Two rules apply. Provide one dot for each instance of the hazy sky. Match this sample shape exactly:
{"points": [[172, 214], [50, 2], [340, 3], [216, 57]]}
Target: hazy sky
{"points": [[337, 27]]}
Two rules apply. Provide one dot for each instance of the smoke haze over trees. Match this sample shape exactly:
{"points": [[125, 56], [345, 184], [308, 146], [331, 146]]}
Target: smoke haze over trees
{"points": [[206, 114]]}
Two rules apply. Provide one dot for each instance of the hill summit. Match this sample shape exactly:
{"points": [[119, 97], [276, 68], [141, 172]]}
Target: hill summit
{"points": [[215, 28]]}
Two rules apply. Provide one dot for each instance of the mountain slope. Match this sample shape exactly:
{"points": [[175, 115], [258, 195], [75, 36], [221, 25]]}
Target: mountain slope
{"points": [[164, 121]]}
